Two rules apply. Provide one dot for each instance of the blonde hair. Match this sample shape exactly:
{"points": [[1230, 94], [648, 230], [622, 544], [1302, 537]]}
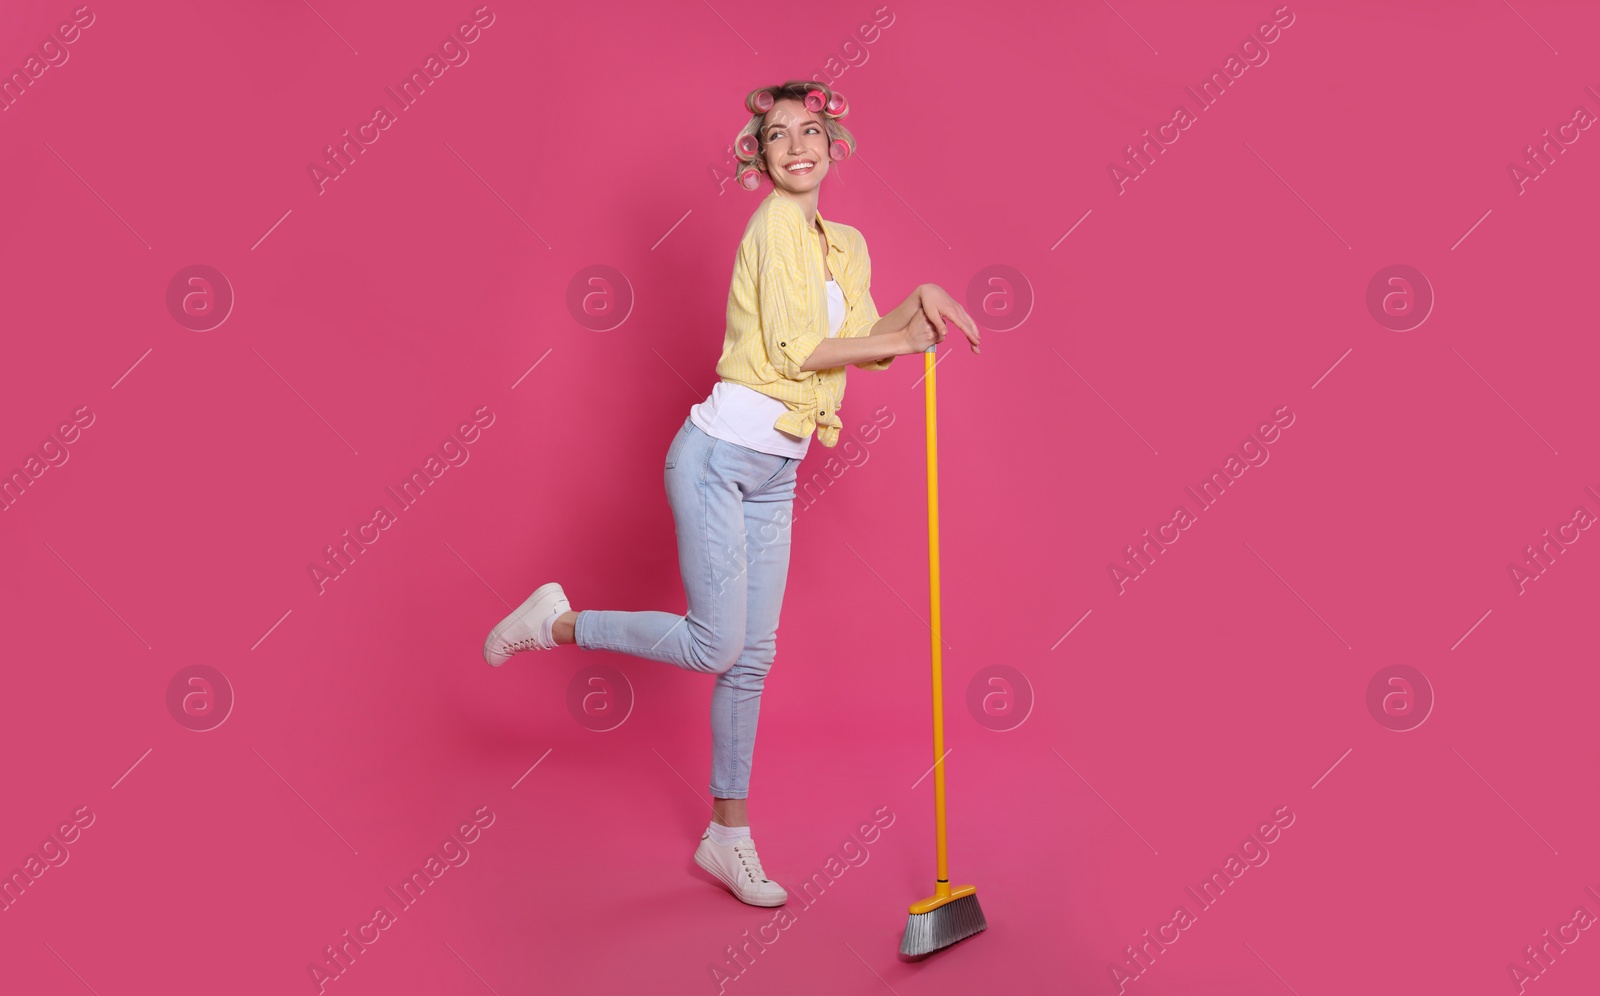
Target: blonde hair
{"points": [[791, 90]]}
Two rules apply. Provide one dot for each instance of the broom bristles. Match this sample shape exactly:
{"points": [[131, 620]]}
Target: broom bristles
{"points": [[942, 927]]}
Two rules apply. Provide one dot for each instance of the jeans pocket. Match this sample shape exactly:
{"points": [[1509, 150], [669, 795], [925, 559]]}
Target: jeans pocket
{"points": [[677, 446], [784, 481]]}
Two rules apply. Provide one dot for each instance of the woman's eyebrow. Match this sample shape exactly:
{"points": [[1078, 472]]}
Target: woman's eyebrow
{"points": [[782, 124]]}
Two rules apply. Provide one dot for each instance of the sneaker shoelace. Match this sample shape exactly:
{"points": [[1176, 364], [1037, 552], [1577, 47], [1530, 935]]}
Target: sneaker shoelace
{"points": [[528, 643], [745, 848]]}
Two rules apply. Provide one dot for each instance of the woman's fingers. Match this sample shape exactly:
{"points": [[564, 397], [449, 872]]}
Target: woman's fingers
{"points": [[970, 328], [938, 306]]}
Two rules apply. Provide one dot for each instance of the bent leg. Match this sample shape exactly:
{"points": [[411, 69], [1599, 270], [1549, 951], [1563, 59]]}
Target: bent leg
{"points": [[706, 479]]}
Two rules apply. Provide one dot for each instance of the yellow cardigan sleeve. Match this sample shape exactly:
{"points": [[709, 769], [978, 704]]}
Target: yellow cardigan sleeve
{"points": [[865, 314]]}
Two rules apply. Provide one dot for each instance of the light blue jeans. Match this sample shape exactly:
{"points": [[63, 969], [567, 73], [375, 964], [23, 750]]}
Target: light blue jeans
{"points": [[732, 508]]}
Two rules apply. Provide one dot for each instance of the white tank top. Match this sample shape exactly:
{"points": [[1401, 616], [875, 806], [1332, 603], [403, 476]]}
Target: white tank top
{"points": [[743, 415]]}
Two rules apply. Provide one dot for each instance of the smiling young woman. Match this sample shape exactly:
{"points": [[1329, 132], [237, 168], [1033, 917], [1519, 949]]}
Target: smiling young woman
{"points": [[800, 310]]}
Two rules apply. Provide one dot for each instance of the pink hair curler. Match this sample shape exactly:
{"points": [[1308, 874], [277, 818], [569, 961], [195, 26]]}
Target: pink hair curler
{"points": [[750, 178], [759, 101], [816, 100], [837, 105], [749, 146], [838, 149]]}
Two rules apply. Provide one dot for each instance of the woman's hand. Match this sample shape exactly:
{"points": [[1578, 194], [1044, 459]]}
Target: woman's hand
{"points": [[920, 333], [937, 307]]}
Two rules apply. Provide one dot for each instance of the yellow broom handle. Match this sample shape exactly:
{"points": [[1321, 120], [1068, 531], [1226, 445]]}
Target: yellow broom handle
{"points": [[942, 887]]}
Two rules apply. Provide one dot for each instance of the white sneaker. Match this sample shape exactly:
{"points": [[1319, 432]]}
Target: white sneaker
{"points": [[530, 627], [738, 867]]}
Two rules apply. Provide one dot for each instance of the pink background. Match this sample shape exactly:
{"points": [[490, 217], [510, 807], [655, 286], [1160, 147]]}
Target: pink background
{"points": [[373, 318]]}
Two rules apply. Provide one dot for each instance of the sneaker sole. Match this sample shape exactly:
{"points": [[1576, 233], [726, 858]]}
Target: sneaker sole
{"points": [[521, 612], [716, 873]]}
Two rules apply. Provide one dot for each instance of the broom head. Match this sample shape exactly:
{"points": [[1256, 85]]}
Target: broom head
{"points": [[940, 921]]}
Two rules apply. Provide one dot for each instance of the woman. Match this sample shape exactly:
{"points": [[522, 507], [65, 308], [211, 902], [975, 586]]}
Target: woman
{"points": [[800, 309]]}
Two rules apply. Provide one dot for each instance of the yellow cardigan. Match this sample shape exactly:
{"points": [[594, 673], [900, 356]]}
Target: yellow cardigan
{"points": [[778, 312]]}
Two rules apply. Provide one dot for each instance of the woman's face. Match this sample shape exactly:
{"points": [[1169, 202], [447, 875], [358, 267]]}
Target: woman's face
{"points": [[794, 136]]}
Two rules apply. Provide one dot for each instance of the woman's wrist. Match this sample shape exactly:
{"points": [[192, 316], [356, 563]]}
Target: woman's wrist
{"points": [[898, 322]]}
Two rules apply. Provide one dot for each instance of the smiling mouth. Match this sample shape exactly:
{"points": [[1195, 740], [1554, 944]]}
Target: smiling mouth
{"points": [[801, 168]]}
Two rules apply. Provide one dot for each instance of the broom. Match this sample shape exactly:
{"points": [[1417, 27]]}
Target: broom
{"points": [[950, 914]]}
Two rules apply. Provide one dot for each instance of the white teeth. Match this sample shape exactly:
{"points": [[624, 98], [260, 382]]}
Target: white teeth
{"points": [[795, 166]]}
